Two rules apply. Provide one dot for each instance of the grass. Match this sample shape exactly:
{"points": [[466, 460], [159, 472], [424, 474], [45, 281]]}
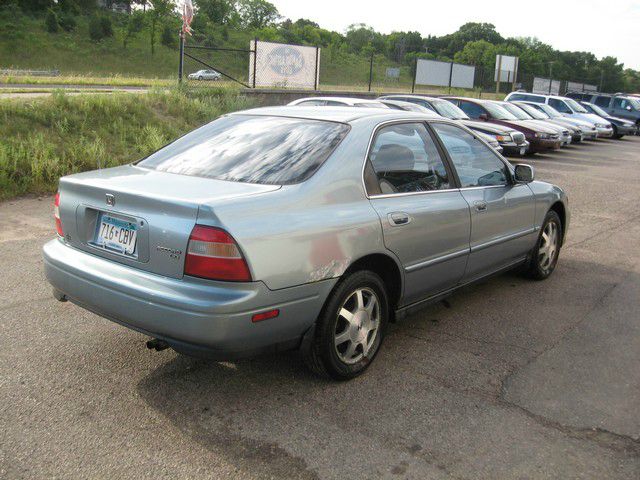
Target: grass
{"points": [[112, 81], [46, 138]]}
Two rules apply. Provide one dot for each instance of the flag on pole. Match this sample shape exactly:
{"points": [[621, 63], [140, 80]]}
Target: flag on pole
{"points": [[187, 16]]}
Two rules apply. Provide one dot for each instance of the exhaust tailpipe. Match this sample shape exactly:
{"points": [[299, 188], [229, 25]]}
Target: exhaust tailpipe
{"points": [[157, 345]]}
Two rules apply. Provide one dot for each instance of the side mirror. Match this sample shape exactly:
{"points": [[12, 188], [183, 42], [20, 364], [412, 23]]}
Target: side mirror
{"points": [[628, 107], [484, 117], [524, 173]]}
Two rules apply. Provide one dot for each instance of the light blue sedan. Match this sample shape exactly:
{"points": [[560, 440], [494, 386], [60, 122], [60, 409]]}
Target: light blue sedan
{"points": [[301, 228]]}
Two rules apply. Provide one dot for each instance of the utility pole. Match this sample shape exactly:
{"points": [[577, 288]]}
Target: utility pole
{"points": [[601, 79], [499, 73], [550, 76]]}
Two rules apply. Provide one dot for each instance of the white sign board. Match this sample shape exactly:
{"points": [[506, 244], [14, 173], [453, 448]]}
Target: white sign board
{"points": [[580, 87], [508, 68], [546, 86], [432, 72], [282, 65], [462, 76], [393, 72], [444, 74]]}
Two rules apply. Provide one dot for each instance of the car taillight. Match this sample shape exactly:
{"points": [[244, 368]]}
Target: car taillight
{"points": [[56, 214], [214, 254]]}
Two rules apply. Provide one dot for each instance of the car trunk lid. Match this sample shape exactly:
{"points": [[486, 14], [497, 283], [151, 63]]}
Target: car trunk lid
{"points": [[162, 208]]}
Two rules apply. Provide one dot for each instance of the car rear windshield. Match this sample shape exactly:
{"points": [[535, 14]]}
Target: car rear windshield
{"points": [[251, 149]]}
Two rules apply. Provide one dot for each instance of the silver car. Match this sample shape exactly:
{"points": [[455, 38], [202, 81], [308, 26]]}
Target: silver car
{"points": [[293, 227], [205, 75]]}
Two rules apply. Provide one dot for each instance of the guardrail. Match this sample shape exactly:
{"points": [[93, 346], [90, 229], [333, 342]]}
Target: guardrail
{"points": [[32, 73]]}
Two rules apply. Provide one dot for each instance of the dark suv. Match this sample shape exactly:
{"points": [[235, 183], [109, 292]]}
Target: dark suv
{"points": [[620, 106]]}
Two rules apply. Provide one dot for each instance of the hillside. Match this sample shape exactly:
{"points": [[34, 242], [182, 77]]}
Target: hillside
{"points": [[25, 44]]}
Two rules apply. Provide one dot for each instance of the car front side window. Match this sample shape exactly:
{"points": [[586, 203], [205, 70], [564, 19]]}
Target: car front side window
{"points": [[476, 163], [405, 159], [471, 109], [559, 105]]}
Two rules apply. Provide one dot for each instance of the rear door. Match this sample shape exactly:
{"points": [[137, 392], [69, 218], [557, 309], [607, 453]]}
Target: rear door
{"points": [[502, 213], [425, 219]]}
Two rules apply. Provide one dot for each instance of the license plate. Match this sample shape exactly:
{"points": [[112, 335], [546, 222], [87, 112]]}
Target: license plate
{"points": [[116, 234], [523, 150]]}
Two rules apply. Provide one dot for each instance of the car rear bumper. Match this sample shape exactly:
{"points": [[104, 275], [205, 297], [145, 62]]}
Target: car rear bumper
{"points": [[191, 314]]}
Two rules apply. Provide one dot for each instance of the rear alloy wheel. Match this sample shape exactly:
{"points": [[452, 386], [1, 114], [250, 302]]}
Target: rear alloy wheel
{"points": [[544, 256], [350, 328]]}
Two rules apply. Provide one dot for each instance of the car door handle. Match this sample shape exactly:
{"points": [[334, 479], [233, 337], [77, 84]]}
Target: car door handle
{"points": [[397, 219], [480, 206]]}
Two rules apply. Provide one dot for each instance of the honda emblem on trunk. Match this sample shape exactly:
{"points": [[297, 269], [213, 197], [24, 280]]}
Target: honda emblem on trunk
{"points": [[111, 200]]}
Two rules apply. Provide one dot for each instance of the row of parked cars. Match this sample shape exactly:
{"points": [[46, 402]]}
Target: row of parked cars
{"points": [[521, 124]]}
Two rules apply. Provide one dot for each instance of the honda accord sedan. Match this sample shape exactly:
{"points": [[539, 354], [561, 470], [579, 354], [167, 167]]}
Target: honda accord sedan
{"points": [[298, 228]]}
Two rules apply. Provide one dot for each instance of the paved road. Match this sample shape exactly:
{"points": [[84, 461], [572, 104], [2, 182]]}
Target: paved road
{"points": [[509, 379]]}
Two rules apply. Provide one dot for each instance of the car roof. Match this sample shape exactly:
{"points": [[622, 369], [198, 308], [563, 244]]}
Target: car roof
{"points": [[337, 114], [347, 100], [412, 95]]}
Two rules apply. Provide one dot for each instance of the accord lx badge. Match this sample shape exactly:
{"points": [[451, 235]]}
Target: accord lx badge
{"points": [[111, 200]]}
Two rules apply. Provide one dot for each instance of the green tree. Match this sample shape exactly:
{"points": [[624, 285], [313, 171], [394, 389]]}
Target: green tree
{"points": [[133, 26], [159, 10], [218, 11], [257, 14]]}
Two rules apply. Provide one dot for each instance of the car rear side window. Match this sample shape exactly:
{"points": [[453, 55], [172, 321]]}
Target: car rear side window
{"points": [[602, 101], [405, 159], [476, 163], [251, 149]]}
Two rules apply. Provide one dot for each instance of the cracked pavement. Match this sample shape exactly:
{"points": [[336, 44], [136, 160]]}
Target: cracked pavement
{"points": [[507, 379]]}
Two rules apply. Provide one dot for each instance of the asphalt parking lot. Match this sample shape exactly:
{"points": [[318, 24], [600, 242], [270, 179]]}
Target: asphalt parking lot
{"points": [[507, 379]]}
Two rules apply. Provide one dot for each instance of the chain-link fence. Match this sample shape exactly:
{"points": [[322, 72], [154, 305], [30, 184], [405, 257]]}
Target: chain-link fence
{"points": [[328, 69]]}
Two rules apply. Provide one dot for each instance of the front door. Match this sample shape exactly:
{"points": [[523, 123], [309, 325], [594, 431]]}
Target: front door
{"points": [[502, 212], [425, 219]]}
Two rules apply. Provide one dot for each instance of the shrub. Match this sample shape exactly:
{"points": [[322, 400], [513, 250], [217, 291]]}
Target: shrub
{"points": [[51, 22], [169, 36], [68, 22], [100, 27]]}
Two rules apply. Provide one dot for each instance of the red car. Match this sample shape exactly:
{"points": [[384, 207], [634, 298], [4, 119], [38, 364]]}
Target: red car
{"points": [[540, 138]]}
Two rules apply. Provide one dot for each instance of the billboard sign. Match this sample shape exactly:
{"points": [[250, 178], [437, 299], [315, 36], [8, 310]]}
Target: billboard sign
{"points": [[444, 74], [506, 68], [546, 86], [282, 65]]}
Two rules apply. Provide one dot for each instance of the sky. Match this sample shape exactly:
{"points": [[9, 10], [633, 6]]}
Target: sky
{"points": [[604, 28]]}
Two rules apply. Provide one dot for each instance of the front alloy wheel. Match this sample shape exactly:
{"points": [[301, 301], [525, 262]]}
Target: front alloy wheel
{"points": [[544, 256]]}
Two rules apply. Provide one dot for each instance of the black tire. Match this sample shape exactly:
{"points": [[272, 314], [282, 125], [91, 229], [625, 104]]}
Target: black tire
{"points": [[537, 268], [200, 78], [321, 354]]}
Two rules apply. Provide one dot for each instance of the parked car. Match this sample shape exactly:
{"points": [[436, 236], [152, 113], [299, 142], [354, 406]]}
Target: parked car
{"points": [[510, 140], [621, 127], [414, 107], [574, 130], [523, 116], [589, 130], [205, 75], [337, 102], [540, 138], [567, 107], [310, 228], [626, 107]]}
